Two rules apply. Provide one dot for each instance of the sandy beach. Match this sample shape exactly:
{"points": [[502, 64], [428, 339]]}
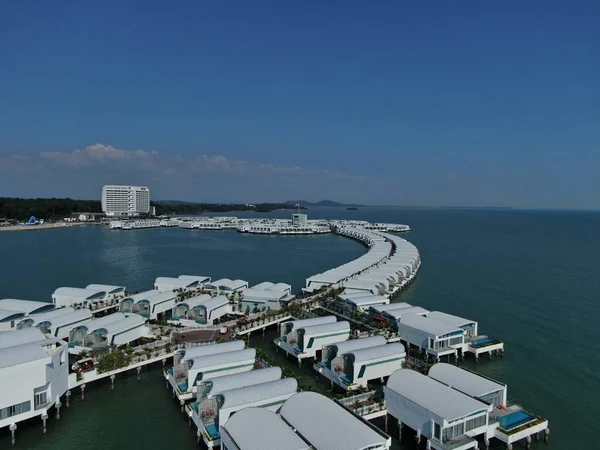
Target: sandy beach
{"points": [[46, 226]]}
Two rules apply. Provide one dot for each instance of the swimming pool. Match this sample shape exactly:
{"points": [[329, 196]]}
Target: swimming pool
{"points": [[482, 341], [515, 419]]}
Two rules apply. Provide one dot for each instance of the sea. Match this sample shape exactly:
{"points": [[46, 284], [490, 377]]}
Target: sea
{"points": [[530, 278]]}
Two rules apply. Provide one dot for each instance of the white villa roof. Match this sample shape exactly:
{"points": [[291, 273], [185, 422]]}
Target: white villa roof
{"points": [[391, 306], [260, 429], [83, 294], [439, 399], [381, 351], [346, 296], [143, 295], [263, 294], [132, 321], [194, 301], [263, 285], [106, 288], [101, 322], [199, 278], [258, 392], [310, 322], [12, 315], [427, 325], [358, 344], [161, 297], [37, 318], [449, 319], [21, 354], [78, 315], [357, 284], [244, 379], [463, 380], [24, 306], [400, 312], [19, 337], [215, 302], [223, 359], [211, 349], [327, 425], [176, 282], [368, 300], [325, 328], [280, 287], [228, 284]]}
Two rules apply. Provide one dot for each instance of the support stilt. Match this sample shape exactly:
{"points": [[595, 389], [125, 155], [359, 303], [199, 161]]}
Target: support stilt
{"points": [[182, 403], [112, 381], [400, 425], [139, 370], [546, 434], [528, 439], [83, 391], [58, 405], [13, 430], [44, 419]]}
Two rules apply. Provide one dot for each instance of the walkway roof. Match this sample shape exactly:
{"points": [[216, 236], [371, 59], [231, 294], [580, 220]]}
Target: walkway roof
{"points": [[357, 344], [463, 380], [327, 425], [455, 321], [260, 429], [244, 379], [25, 306], [211, 349], [19, 337], [258, 392], [439, 399], [381, 351]]}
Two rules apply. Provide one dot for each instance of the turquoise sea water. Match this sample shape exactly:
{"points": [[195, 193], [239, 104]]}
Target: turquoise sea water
{"points": [[529, 278]]}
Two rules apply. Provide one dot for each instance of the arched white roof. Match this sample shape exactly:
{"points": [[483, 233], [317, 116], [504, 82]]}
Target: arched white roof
{"points": [[194, 301], [142, 295], [123, 324], [106, 287], [73, 317], [223, 359], [83, 294], [309, 322], [244, 379], [175, 282], [37, 318], [6, 316], [258, 392], [211, 349], [439, 399], [463, 380], [160, 297], [199, 278], [252, 293], [327, 425], [391, 306], [427, 325], [101, 322], [260, 429], [19, 337], [326, 328], [381, 351], [280, 287], [21, 354], [214, 302], [25, 306], [263, 285], [455, 321], [357, 344]]}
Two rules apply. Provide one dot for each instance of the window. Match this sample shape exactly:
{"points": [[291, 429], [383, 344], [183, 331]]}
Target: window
{"points": [[40, 400], [475, 422], [437, 431], [15, 410]]}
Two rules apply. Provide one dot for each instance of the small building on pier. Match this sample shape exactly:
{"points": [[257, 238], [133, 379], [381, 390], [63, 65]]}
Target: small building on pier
{"points": [[259, 428], [57, 323], [122, 331], [190, 372], [225, 286], [212, 413], [112, 292], [70, 296], [33, 375], [213, 386], [162, 284], [305, 341], [361, 303], [327, 425], [435, 338], [446, 417]]}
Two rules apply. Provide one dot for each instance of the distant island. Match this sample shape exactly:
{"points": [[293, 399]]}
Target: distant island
{"points": [[328, 203], [19, 209]]}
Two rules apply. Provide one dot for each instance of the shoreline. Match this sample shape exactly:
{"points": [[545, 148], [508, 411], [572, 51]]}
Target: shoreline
{"points": [[49, 226]]}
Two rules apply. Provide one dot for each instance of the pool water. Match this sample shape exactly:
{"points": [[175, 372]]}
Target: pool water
{"points": [[515, 419], [482, 341]]}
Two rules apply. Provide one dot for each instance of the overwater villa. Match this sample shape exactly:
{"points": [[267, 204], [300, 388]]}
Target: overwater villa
{"points": [[508, 424], [77, 334], [447, 418], [327, 425], [57, 323], [126, 305], [226, 286], [369, 287], [184, 354], [331, 351], [121, 330], [258, 428], [212, 413], [353, 369], [202, 309], [305, 341], [435, 338], [285, 328], [361, 302], [273, 297], [213, 386], [181, 309], [392, 316], [155, 306], [201, 279], [70, 296], [33, 375], [188, 373], [162, 284], [12, 309], [112, 292]]}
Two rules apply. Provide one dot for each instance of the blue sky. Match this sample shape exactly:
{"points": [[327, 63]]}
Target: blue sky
{"points": [[407, 103]]}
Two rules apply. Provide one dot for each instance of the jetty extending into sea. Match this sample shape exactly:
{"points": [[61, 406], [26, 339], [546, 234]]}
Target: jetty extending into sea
{"points": [[383, 358]]}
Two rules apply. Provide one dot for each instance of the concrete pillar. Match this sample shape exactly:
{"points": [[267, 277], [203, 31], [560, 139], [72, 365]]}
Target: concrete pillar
{"points": [[263, 330], [182, 403], [537, 436], [400, 425], [139, 370], [418, 436], [44, 419], [299, 362], [528, 439], [68, 397], [428, 444], [486, 441], [58, 405], [112, 381], [509, 447], [83, 391], [546, 434], [198, 436], [386, 423], [13, 430]]}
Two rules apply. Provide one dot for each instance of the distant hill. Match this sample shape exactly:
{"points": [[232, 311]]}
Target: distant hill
{"points": [[328, 203]]}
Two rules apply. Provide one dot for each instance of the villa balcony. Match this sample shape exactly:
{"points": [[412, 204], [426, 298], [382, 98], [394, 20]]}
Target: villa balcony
{"points": [[514, 424]]}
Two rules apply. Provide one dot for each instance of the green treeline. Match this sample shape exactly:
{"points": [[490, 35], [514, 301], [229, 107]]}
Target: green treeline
{"points": [[58, 208]]}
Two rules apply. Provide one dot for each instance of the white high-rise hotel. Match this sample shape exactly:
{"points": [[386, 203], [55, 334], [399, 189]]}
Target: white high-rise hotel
{"points": [[125, 200]]}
